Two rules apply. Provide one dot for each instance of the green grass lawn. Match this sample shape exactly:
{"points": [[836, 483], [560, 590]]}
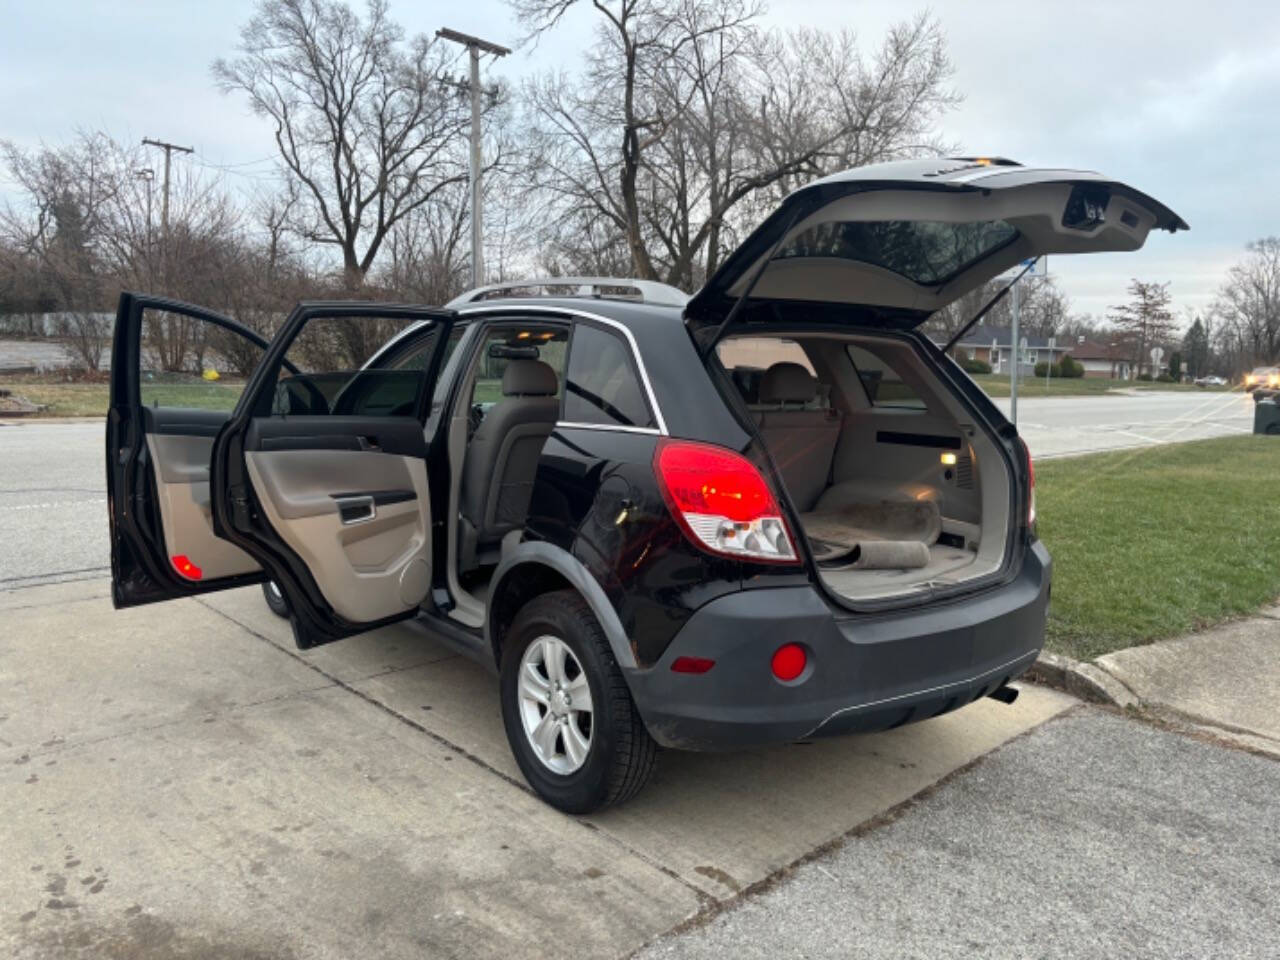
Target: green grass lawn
{"points": [[998, 386], [1152, 543], [91, 399]]}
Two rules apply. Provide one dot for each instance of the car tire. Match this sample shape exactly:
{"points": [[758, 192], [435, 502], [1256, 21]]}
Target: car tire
{"points": [[620, 756], [275, 599]]}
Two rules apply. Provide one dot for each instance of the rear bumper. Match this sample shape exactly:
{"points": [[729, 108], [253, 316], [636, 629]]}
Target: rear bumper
{"points": [[865, 672]]}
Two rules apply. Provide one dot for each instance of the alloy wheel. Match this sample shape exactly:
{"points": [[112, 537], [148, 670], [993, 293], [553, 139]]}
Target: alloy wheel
{"points": [[555, 705]]}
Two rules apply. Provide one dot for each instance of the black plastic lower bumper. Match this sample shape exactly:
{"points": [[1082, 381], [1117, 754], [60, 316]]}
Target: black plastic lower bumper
{"points": [[865, 672]]}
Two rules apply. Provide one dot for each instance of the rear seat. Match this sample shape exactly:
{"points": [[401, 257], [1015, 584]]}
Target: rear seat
{"points": [[802, 440]]}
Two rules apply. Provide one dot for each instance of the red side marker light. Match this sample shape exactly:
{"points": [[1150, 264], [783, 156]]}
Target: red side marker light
{"points": [[691, 665], [185, 567], [789, 661]]}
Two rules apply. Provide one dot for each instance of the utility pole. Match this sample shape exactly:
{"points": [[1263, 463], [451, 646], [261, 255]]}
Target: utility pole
{"points": [[168, 149], [475, 46]]}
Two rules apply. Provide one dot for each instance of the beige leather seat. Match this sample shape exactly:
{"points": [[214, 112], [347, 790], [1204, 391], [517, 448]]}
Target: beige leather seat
{"points": [[801, 438], [502, 458]]}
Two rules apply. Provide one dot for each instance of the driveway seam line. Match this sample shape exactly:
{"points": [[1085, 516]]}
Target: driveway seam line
{"points": [[883, 819]]}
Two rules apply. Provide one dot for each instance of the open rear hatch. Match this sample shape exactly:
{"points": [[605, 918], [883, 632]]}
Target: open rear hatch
{"points": [[880, 442], [888, 245]]}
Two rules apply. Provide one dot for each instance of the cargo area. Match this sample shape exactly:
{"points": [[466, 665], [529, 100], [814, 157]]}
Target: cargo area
{"points": [[897, 488]]}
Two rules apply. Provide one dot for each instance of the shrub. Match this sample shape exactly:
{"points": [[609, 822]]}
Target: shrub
{"points": [[1145, 377], [1071, 369], [1165, 378], [1044, 369], [969, 365]]}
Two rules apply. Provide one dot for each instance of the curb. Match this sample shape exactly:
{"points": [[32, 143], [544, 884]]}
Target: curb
{"points": [[1084, 680]]}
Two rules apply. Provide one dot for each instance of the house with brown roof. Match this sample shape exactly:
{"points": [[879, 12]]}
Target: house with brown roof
{"points": [[1102, 360]]}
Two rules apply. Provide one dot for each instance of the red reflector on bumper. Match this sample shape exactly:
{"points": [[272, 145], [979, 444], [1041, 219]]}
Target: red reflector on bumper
{"points": [[691, 665], [789, 661], [186, 568]]}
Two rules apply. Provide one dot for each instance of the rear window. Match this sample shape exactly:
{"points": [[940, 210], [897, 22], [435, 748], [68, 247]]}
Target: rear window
{"points": [[927, 252], [883, 386], [601, 384]]}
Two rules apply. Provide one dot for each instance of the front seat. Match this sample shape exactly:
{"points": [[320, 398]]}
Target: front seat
{"points": [[502, 459]]}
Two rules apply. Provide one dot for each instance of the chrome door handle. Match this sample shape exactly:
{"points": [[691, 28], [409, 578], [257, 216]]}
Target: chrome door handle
{"points": [[357, 509]]}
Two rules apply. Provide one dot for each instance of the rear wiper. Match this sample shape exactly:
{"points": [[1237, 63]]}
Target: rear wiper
{"points": [[989, 304]]}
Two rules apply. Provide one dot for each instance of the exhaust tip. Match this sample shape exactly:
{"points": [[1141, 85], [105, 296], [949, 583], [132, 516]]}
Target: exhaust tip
{"points": [[1005, 694]]}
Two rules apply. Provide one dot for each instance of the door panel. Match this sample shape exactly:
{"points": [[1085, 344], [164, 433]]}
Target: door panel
{"points": [[324, 476], [359, 521], [182, 492]]}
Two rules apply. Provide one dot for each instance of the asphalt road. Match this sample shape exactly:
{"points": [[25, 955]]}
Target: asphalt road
{"points": [[1067, 426], [1092, 836], [53, 481]]}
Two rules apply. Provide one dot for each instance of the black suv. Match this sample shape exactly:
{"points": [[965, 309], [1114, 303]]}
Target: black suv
{"points": [[773, 512]]}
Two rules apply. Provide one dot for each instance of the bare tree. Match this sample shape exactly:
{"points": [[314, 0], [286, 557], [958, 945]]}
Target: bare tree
{"points": [[1145, 321], [1044, 309], [1247, 308], [367, 123], [688, 115], [81, 221]]}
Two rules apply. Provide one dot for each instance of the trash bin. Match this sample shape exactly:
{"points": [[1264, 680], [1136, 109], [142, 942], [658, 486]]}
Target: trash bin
{"points": [[1266, 416]]}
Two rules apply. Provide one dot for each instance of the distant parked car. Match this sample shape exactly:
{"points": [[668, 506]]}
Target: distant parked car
{"points": [[1268, 377], [1210, 381]]}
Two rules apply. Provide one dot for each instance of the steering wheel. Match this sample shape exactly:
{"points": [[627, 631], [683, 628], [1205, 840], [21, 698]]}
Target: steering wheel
{"points": [[475, 417]]}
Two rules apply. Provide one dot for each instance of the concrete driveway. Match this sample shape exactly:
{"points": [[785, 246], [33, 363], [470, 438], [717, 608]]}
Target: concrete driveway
{"points": [[178, 781]]}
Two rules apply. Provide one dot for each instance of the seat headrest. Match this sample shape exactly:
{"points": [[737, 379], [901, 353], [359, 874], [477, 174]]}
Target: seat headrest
{"points": [[528, 378], [787, 383]]}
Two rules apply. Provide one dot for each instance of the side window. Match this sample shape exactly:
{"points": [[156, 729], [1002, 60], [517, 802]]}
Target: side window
{"points": [[883, 384], [193, 363], [331, 355], [602, 385]]}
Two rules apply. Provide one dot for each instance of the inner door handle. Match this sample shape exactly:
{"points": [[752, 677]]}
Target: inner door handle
{"points": [[368, 443], [356, 509]]}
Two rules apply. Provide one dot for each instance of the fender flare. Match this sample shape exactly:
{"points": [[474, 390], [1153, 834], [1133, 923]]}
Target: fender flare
{"points": [[545, 554]]}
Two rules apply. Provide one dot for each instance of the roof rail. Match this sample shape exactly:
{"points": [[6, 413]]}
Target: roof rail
{"points": [[606, 288]]}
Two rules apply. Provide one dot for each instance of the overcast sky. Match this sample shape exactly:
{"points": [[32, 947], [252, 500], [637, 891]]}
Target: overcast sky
{"points": [[1180, 99]]}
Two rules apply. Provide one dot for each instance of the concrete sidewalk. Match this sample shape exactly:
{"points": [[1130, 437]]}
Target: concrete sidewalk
{"points": [[1225, 680]]}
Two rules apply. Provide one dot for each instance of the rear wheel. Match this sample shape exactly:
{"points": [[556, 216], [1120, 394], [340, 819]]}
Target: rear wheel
{"points": [[275, 598], [569, 716]]}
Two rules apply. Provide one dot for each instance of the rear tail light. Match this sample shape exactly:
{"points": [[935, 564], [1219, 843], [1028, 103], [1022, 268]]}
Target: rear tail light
{"points": [[1031, 484], [722, 501]]}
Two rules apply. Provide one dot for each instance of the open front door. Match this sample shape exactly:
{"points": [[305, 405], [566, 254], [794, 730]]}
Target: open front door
{"points": [[177, 371], [322, 474]]}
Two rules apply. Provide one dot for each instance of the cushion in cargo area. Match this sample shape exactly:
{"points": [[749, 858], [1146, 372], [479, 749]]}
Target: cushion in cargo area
{"points": [[887, 535], [849, 524]]}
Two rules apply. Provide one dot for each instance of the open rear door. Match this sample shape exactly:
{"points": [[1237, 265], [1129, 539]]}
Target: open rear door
{"points": [[322, 474]]}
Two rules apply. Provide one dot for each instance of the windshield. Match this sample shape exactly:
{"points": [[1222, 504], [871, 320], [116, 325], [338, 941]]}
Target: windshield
{"points": [[924, 251]]}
